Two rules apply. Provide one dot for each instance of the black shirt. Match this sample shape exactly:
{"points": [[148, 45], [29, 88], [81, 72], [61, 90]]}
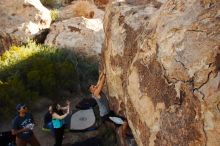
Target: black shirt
{"points": [[22, 122]]}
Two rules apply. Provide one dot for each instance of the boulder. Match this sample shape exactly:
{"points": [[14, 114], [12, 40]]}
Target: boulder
{"points": [[81, 35], [22, 19], [162, 64]]}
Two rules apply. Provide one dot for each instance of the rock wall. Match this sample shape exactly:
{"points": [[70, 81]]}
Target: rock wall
{"points": [[162, 63]]}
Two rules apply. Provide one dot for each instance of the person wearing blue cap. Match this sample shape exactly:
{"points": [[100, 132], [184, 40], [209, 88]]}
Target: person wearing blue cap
{"points": [[22, 127]]}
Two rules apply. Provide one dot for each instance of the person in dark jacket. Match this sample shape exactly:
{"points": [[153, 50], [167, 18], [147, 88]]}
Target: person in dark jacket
{"points": [[22, 127], [48, 121]]}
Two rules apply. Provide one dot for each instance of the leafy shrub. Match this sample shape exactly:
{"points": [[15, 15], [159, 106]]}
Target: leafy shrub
{"points": [[54, 14], [32, 71], [55, 3], [48, 2]]}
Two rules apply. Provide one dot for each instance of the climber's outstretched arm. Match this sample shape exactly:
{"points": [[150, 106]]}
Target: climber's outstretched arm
{"points": [[100, 85], [100, 77]]}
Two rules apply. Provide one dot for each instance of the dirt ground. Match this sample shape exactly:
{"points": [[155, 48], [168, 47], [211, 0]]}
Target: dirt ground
{"points": [[45, 137]]}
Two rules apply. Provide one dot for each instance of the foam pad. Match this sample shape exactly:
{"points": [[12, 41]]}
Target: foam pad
{"points": [[82, 120]]}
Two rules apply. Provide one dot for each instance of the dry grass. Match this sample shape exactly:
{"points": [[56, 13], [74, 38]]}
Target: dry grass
{"points": [[101, 3], [84, 8]]}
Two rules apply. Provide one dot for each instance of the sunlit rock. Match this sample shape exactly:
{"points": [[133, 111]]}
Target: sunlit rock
{"points": [[81, 35], [22, 19], [162, 64]]}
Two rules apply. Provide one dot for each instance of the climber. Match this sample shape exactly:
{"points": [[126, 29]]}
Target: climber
{"points": [[102, 101], [22, 127], [120, 123], [100, 97]]}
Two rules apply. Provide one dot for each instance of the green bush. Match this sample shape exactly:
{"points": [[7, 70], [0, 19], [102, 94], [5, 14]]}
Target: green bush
{"points": [[32, 71], [55, 3], [54, 14], [48, 2]]}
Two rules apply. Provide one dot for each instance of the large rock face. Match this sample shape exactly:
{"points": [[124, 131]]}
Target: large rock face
{"points": [[162, 65], [22, 19]]}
